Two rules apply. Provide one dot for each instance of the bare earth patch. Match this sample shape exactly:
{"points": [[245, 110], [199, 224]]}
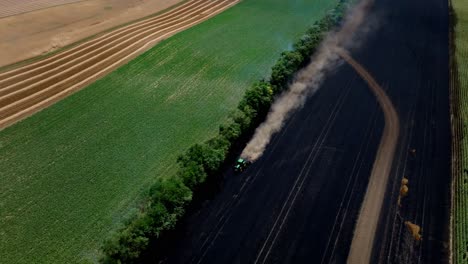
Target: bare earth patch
{"points": [[34, 33]]}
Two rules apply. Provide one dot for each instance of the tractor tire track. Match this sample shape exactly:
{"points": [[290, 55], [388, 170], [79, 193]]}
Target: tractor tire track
{"points": [[349, 194], [265, 250]]}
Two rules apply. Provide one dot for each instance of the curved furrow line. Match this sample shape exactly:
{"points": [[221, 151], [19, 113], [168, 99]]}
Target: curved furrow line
{"points": [[29, 86], [45, 64], [45, 98]]}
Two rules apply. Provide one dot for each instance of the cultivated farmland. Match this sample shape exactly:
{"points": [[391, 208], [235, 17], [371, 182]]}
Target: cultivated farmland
{"points": [[460, 234], [27, 89], [70, 173]]}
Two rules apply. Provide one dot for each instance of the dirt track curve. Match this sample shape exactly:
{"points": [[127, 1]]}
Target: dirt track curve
{"points": [[28, 89], [364, 232]]}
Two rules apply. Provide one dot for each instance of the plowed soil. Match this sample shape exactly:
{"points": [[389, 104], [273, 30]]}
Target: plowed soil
{"points": [[28, 89]]}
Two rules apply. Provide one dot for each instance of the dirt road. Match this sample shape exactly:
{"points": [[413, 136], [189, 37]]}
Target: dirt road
{"points": [[28, 89], [364, 233]]}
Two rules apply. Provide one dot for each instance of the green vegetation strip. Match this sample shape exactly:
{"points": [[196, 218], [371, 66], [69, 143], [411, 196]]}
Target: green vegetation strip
{"points": [[460, 234], [73, 172]]}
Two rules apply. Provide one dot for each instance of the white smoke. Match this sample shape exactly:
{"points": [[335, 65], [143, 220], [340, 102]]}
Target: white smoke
{"points": [[309, 79]]}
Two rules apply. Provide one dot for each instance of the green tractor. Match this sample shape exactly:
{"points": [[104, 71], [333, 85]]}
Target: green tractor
{"points": [[241, 165]]}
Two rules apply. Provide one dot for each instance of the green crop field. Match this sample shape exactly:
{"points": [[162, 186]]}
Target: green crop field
{"points": [[461, 183], [72, 173]]}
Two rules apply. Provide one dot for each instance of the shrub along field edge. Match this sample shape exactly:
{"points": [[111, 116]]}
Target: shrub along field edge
{"points": [[459, 118], [169, 198]]}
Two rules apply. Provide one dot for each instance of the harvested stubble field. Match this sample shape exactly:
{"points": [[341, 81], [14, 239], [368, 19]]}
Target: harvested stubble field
{"points": [[461, 180], [14, 7], [51, 28], [72, 172]]}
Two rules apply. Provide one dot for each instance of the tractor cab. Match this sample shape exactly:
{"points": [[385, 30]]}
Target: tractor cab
{"points": [[241, 165]]}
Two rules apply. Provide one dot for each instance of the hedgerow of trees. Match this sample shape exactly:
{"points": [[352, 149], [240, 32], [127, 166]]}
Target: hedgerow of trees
{"points": [[168, 198]]}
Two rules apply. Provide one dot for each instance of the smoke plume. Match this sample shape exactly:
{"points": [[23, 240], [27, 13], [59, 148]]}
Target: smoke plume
{"points": [[309, 79]]}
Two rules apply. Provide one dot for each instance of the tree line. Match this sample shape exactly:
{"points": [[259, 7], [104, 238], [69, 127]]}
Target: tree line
{"points": [[169, 198]]}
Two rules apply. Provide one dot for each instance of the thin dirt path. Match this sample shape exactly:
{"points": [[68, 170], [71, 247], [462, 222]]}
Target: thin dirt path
{"points": [[364, 232]]}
